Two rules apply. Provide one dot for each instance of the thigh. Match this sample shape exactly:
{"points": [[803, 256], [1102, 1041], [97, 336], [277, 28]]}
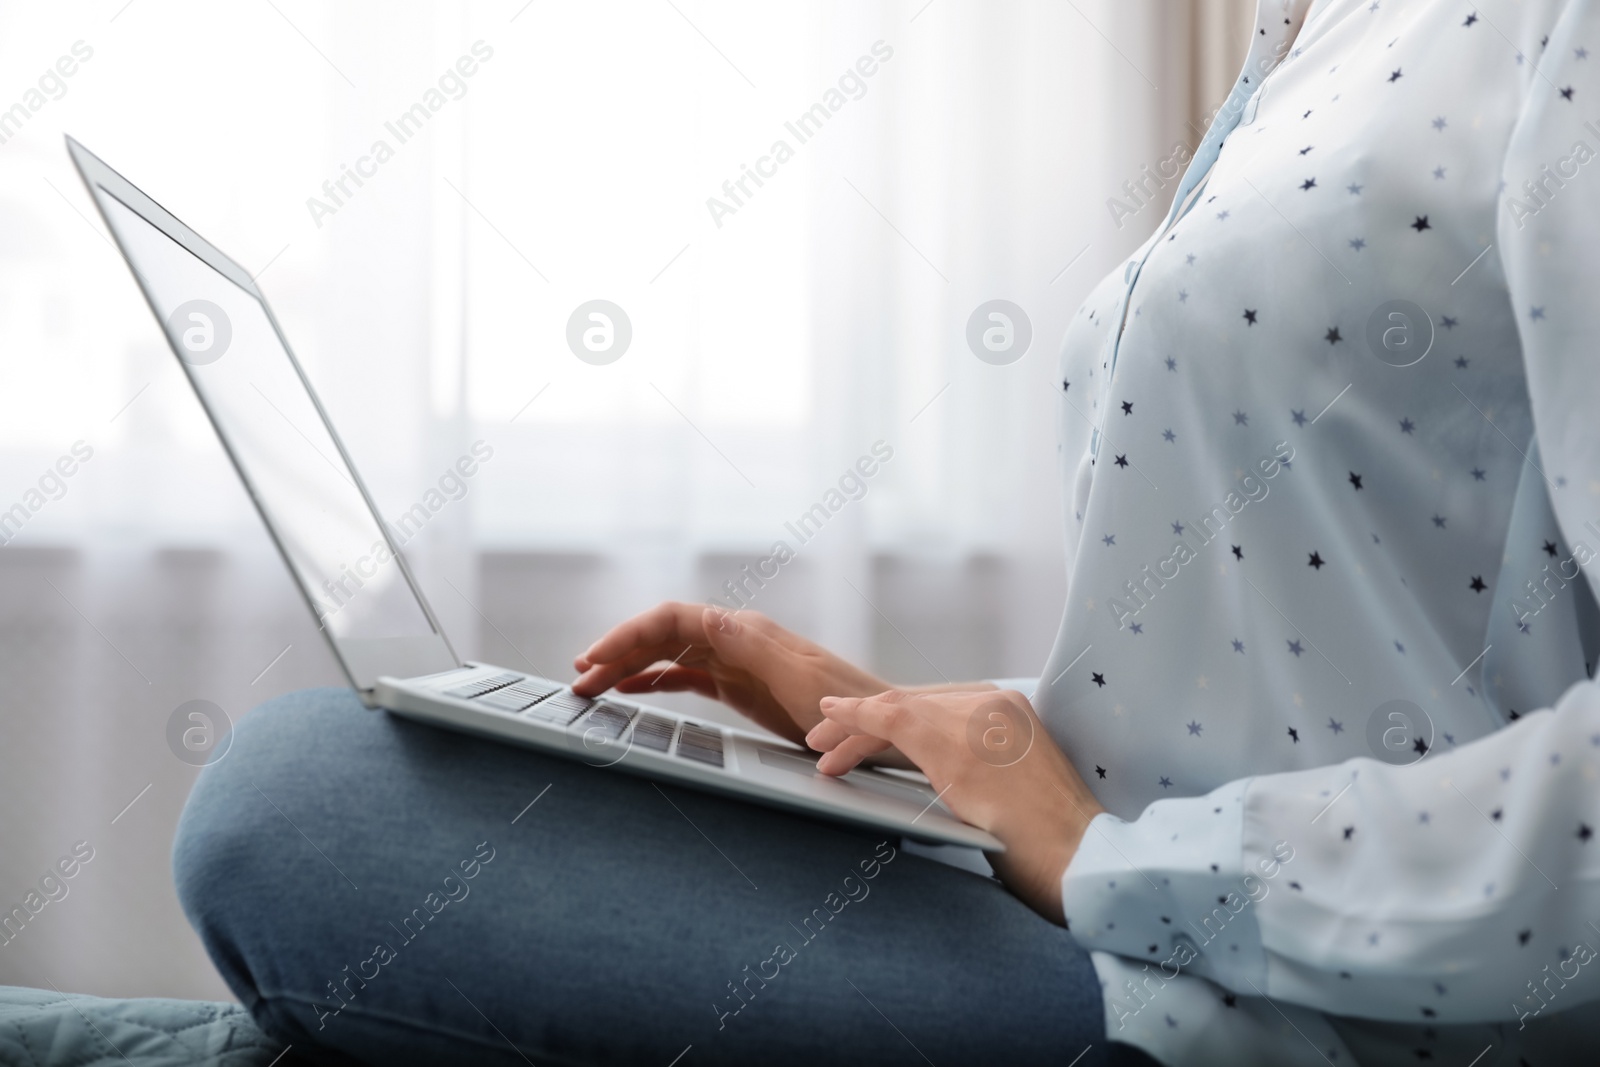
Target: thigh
{"points": [[388, 892]]}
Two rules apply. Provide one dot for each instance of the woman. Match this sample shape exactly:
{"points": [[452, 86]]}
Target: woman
{"points": [[1329, 465]]}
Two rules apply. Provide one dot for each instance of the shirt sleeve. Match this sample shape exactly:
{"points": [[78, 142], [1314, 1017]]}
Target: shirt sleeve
{"points": [[1464, 887], [1460, 889]]}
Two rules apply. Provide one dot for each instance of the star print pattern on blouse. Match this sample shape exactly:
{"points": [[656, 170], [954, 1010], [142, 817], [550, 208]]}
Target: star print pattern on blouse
{"points": [[1405, 150]]}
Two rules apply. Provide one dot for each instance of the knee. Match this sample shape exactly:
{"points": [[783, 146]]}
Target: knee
{"points": [[229, 851]]}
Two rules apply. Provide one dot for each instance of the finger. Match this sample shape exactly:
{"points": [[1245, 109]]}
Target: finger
{"points": [[893, 716], [603, 676], [670, 680], [666, 623], [827, 735], [849, 753]]}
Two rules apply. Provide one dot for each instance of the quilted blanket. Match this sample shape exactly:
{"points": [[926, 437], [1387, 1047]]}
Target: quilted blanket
{"points": [[43, 1028]]}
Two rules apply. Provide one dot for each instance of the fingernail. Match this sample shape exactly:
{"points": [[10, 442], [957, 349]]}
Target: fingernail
{"points": [[828, 703], [728, 624]]}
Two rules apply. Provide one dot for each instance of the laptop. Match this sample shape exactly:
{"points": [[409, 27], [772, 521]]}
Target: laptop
{"points": [[355, 580]]}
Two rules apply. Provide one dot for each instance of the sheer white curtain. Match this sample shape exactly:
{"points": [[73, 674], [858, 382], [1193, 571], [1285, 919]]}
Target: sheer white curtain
{"points": [[785, 324], [563, 153]]}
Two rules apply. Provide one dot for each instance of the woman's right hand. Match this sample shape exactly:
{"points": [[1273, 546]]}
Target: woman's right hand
{"points": [[743, 659]]}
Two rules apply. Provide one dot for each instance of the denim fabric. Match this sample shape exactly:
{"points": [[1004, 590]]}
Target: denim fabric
{"points": [[378, 891]]}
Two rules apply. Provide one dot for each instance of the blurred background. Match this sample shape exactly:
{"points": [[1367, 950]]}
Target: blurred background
{"points": [[772, 346]]}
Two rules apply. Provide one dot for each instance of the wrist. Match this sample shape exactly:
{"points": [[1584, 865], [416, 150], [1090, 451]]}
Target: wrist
{"points": [[1038, 853], [949, 687]]}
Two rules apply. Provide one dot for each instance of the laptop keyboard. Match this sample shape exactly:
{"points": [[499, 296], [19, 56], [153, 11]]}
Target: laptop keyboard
{"points": [[553, 703]]}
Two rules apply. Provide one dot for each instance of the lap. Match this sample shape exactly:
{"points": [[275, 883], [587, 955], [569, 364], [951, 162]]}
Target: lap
{"points": [[382, 890]]}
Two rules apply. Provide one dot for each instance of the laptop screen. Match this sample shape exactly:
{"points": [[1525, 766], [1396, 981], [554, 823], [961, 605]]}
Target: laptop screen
{"points": [[266, 417]]}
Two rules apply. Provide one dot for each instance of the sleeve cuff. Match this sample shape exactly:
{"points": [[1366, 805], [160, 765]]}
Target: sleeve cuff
{"points": [[1170, 888]]}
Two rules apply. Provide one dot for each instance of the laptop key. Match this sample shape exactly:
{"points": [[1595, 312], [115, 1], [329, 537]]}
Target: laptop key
{"points": [[607, 721], [701, 744], [473, 690], [562, 709], [654, 732], [507, 700], [527, 693], [701, 755], [535, 690], [524, 693]]}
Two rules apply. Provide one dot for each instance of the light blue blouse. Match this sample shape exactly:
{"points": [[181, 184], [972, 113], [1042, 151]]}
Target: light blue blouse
{"points": [[1331, 448]]}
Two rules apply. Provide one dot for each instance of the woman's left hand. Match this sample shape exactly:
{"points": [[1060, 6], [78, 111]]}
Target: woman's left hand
{"points": [[993, 765]]}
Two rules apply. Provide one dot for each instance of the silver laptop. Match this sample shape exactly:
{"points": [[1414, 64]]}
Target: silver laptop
{"points": [[356, 582]]}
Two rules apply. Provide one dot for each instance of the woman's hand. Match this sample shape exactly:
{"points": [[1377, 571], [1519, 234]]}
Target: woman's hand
{"points": [[743, 659], [993, 765]]}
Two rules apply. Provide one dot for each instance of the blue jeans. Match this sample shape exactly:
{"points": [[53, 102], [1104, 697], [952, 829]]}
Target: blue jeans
{"points": [[378, 891]]}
